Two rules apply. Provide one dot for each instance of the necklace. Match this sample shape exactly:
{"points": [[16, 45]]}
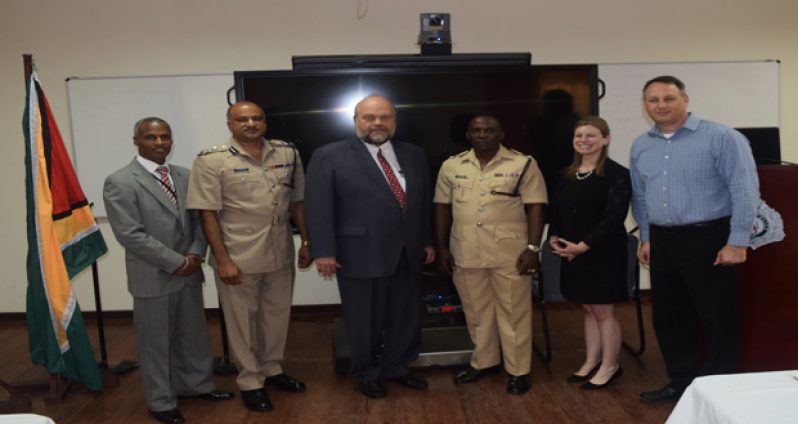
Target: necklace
{"points": [[581, 176]]}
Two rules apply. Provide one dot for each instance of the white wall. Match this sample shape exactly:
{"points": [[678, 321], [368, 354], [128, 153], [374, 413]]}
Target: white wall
{"points": [[157, 37]]}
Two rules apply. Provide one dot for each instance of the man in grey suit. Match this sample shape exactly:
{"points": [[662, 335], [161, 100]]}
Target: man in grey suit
{"points": [[164, 250], [368, 216]]}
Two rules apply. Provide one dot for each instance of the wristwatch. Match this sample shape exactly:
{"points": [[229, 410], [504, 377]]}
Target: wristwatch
{"points": [[533, 248], [305, 243]]}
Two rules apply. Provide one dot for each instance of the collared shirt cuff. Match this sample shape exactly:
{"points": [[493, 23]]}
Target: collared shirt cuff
{"points": [[644, 233], [739, 238]]}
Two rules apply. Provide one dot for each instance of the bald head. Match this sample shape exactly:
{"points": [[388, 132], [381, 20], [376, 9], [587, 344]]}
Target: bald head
{"points": [[242, 104], [246, 122], [374, 100]]}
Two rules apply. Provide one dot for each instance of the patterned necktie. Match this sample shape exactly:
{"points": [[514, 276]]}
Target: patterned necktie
{"points": [[166, 184], [392, 180]]}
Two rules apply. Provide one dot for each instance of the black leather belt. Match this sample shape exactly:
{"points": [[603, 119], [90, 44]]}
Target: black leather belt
{"points": [[692, 227]]}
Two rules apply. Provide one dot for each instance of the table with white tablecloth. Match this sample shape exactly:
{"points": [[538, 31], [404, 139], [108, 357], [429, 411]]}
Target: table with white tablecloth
{"points": [[762, 397], [24, 419]]}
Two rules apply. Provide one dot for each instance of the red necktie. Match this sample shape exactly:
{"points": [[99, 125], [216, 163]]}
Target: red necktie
{"points": [[392, 180], [166, 184]]}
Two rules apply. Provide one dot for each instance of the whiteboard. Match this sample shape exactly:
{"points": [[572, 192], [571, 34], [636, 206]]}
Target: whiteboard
{"points": [[737, 94], [102, 112]]}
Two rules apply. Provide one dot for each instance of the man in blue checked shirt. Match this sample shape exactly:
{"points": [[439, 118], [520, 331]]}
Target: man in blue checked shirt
{"points": [[695, 193]]}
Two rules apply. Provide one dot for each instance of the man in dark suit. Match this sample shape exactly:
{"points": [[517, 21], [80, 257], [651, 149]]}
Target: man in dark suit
{"points": [[368, 216], [164, 250]]}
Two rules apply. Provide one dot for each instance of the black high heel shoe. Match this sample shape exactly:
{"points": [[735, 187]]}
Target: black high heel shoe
{"points": [[576, 378], [591, 386]]}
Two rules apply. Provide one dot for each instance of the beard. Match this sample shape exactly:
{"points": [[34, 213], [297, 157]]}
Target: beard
{"points": [[375, 137]]}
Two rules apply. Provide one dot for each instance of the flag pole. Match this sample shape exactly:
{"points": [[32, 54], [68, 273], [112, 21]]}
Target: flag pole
{"points": [[110, 374], [27, 60], [22, 396]]}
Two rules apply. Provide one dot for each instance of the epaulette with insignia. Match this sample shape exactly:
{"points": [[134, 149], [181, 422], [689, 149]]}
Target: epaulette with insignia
{"points": [[281, 143], [218, 148]]}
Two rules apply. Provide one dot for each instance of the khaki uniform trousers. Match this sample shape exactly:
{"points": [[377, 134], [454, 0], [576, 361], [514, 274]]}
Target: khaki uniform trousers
{"points": [[256, 314], [498, 307]]}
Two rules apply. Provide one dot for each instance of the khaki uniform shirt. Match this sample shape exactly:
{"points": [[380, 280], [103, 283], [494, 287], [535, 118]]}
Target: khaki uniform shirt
{"points": [[488, 229], [253, 198]]}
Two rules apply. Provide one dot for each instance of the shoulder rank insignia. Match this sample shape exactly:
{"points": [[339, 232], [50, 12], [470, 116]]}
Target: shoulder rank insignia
{"points": [[218, 148], [281, 143]]}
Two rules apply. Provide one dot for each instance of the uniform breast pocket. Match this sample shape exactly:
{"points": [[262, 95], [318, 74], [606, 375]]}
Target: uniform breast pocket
{"points": [[240, 185], [463, 190], [284, 179], [502, 185]]}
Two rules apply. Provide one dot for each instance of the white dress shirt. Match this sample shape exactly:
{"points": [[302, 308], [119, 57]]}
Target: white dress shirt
{"points": [[390, 156], [151, 167]]}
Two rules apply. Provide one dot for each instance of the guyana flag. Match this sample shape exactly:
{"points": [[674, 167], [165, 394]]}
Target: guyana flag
{"points": [[63, 239]]}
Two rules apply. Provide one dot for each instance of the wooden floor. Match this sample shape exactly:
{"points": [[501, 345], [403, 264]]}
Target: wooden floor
{"points": [[333, 398]]}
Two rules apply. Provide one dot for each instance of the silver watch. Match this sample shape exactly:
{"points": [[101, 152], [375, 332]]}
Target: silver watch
{"points": [[533, 248]]}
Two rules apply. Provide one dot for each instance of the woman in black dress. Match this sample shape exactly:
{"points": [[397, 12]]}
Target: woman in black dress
{"points": [[587, 231]]}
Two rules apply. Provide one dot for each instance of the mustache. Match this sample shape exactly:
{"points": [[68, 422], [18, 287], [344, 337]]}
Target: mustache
{"points": [[367, 137]]}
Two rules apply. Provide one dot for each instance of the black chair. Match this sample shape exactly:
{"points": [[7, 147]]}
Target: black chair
{"points": [[546, 289]]}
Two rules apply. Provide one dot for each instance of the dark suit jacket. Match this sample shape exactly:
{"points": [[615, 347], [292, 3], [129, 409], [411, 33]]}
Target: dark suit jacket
{"points": [[352, 214], [156, 235]]}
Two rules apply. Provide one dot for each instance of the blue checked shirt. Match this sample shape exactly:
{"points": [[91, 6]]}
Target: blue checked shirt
{"points": [[705, 171]]}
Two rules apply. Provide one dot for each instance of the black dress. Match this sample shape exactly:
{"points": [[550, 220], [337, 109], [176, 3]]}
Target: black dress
{"points": [[593, 210]]}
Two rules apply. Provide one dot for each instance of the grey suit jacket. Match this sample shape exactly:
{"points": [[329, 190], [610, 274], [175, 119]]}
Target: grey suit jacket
{"points": [[156, 235], [352, 214]]}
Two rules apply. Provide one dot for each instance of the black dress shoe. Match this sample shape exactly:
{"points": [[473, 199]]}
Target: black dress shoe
{"points": [[518, 384], [471, 374], [372, 389], [591, 386], [256, 400], [411, 381], [666, 394], [213, 395], [171, 416], [286, 383], [576, 378]]}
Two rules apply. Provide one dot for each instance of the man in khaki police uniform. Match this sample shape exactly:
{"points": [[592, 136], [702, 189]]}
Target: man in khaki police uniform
{"points": [[246, 191], [489, 219]]}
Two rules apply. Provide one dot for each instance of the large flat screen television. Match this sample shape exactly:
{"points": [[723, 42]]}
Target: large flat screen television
{"points": [[536, 104]]}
